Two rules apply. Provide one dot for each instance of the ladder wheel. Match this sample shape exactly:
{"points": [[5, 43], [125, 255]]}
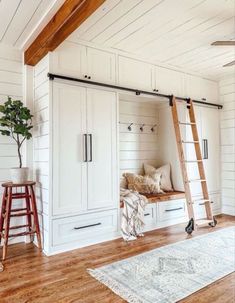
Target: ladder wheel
{"points": [[190, 227], [214, 223]]}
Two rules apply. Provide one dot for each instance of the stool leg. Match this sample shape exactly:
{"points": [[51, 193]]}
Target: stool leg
{"points": [[7, 223], [35, 216], [3, 211], [29, 219]]}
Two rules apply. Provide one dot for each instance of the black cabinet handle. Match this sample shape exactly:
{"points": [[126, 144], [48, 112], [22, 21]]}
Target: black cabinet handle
{"points": [[155, 90], [89, 77], [174, 209], [85, 147], [205, 148], [85, 76], [90, 136], [147, 214], [86, 226], [203, 99]]}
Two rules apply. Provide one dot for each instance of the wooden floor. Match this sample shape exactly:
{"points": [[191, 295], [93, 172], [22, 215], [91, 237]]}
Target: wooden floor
{"points": [[31, 277]]}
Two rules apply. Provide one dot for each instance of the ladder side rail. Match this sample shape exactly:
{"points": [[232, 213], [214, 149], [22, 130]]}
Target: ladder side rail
{"points": [[182, 159], [200, 163]]}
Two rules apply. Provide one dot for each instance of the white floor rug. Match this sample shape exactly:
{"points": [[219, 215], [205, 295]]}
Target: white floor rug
{"points": [[172, 272]]}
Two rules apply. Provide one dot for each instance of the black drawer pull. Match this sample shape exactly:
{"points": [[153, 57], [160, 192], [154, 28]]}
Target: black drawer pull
{"points": [[86, 226], [205, 203], [173, 209], [147, 214]]}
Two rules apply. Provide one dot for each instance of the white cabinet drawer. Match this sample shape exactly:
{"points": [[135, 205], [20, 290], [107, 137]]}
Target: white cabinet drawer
{"points": [[171, 210], [83, 227], [150, 217]]}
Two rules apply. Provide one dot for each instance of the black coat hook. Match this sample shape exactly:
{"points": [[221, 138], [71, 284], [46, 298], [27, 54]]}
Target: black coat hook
{"points": [[152, 128], [142, 127], [129, 127]]}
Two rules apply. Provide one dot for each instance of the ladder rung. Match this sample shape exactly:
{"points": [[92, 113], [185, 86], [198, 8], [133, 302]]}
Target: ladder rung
{"points": [[196, 180], [201, 222], [190, 142], [201, 200], [192, 161], [18, 209], [187, 123], [22, 234], [22, 214], [18, 226]]}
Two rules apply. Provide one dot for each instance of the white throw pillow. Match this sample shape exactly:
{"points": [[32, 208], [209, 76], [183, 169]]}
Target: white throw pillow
{"points": [[165, 171]]}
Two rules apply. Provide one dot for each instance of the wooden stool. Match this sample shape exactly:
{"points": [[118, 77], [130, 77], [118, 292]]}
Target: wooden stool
{"points": [[29, 211]]}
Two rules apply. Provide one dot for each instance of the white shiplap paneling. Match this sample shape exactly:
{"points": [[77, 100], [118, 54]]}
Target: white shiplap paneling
{"points": [[10, 85], [136, 147], [227, 118], [176, 34], [22, 20], [41, 143]]}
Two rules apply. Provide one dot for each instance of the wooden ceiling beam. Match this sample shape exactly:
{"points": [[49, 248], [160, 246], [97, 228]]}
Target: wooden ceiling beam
{"points": [[67, 19]]}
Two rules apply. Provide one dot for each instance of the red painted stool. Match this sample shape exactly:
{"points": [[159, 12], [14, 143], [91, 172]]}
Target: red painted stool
{"points": [[29, 211]]}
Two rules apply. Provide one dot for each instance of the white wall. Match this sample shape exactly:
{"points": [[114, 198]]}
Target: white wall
{"points": [[227, 124], [136, 147], [11, 79]]}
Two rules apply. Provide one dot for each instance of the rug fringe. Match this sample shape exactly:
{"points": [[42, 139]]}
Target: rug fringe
{"points": [[114, 286]]}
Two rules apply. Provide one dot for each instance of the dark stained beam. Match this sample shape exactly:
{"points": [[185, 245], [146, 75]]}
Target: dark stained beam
{"points": [[67, 19]]}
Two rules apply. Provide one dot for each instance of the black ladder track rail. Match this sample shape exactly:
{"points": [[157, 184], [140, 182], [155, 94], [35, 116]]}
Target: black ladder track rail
{"points": [[136, 91]]}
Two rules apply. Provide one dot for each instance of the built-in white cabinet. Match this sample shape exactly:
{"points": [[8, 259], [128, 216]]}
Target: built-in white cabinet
{"points": [[201, 89], [72, 59], [135, 74], [169, 82], [84, 149]]}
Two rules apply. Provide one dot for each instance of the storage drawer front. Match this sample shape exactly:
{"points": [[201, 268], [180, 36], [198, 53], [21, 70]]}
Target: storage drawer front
{"points": [[150, 216], [171, 210], [81, 227]]}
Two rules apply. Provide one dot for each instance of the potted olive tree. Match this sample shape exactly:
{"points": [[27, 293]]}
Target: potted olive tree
{"points": [[16, 122]]}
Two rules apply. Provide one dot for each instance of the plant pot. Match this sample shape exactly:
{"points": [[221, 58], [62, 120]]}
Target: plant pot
{"points": [[19, 175]]}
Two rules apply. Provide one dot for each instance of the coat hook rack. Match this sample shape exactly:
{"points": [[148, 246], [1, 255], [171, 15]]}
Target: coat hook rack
{"points": [[153, 128], [129, 127], [142, 127]]}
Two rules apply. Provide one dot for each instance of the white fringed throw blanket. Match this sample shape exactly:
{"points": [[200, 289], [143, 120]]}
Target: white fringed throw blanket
{"points": [[133, 214]]}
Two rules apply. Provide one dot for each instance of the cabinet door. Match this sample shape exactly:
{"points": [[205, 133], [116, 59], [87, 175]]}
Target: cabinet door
{"points": [[101, 65], [69, 168], [193, 87], [69, 59], [102, 150], [211, 133], [169, 82], [135, 74], [209, 90], [201, 89]]}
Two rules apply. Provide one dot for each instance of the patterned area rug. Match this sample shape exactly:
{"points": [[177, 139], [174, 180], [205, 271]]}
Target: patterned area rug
{"points": [[172, 272]]}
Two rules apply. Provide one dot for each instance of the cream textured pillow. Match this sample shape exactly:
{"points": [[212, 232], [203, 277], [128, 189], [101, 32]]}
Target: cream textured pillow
{"points": [[143, 184], [165, 171]]}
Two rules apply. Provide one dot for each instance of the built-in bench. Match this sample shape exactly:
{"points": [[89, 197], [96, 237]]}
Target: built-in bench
{"points": [[153, 198]]}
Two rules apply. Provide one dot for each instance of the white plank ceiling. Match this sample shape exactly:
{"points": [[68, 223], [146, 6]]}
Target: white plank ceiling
{"points": [[22, 20], [173, 33]]}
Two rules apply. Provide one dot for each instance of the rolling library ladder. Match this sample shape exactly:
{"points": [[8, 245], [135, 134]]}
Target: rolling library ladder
{"points": [[209, 220]]}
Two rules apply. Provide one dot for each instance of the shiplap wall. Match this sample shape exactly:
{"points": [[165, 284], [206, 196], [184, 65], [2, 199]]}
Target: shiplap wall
{"points": [[41, 144], [227, 124], [11, 75], [136, 147]]}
